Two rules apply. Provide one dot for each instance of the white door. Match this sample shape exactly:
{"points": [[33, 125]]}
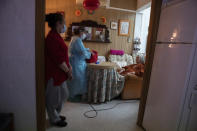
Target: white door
{"points": [[189, 117], [167, 86]]}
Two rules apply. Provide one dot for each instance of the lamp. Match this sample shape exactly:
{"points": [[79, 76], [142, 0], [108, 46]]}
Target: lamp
{"points": [[91, 5]]}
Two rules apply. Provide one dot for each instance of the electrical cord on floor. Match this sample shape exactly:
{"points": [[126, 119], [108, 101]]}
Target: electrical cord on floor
{"points": [[104, 109]]}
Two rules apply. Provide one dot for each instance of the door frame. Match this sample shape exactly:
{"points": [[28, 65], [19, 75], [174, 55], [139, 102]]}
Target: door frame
{"points": [[150, 50], [40, 60], [40, 69]]}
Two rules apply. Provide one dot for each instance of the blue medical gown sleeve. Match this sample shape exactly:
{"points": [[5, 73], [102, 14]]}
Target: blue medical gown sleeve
{"points": [[81, 50]]}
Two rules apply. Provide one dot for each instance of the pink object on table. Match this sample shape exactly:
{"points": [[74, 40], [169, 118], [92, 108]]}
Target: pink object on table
{"points": [[116, 52]]}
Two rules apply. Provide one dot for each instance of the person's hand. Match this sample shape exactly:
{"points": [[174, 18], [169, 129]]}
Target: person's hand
{"points": [[69, 73], [92, 52], [70, 68], [70, 77]]}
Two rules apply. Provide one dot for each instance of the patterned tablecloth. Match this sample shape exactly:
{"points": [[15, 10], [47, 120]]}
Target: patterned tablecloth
{"points": [[104, 83]]}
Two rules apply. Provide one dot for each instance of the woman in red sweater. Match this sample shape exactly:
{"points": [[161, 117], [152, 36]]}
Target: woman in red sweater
{"points": [[58, 69]]}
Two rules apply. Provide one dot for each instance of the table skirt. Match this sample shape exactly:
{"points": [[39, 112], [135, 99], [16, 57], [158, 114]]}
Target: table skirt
{"points": [[104, 84]]}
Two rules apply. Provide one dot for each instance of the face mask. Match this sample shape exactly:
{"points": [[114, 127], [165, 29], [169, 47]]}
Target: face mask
{"points": [[83, 36], [63, 30]]}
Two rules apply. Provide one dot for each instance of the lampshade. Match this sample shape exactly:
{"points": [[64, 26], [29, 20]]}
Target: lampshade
{"points": [[91, 4]]}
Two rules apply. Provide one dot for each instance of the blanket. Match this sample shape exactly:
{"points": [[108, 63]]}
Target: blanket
{"points": [[137, 69]]}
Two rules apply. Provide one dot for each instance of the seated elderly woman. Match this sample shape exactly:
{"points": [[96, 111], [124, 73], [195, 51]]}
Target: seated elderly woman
{"points": [[137, 69]]}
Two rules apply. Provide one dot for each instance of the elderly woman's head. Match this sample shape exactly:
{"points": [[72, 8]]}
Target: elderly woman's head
{"points": [[140, 59]]}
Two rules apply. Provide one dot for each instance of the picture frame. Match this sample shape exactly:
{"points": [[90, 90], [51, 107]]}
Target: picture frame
{"points": [[114, 25], [124, 28], [94, 32]]}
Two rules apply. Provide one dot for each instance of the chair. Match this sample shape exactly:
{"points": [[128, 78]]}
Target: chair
{"points": [[132, 88]]}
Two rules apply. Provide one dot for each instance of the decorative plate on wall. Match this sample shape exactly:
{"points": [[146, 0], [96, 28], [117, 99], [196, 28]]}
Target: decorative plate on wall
{"points": [[78, 13], [103, 19]]}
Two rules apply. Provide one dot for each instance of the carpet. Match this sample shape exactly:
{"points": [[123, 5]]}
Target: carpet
{"points": [[122, 118]]}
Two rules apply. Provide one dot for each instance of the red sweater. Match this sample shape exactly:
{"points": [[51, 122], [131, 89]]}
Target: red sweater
{"points": [[56, 53]]}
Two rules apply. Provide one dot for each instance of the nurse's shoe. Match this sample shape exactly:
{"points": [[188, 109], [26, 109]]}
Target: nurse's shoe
{"points": [[63, 118], [60, 123]]}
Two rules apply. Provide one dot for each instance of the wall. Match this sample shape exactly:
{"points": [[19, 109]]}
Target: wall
{"points": [[118, 42], [17, 62], [124, 4], [141, 3]]}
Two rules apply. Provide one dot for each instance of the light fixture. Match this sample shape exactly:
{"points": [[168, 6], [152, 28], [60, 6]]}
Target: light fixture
{"points": [[91, 5]]}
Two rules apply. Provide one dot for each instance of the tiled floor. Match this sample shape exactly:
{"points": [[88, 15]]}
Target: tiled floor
{"points": [[122, 118]]}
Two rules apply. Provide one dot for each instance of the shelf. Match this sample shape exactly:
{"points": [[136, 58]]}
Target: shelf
{"points": [[93, 42]]}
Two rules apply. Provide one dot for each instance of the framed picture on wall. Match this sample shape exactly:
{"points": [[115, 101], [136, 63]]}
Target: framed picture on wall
{"points": [[124, 27], [114, 25]]}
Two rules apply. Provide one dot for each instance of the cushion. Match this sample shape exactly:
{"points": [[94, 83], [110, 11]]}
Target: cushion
{"points": [[116, 52], [121, 60]]}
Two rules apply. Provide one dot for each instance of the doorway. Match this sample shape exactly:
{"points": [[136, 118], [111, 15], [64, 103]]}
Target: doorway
{"points": [[40, 35]]}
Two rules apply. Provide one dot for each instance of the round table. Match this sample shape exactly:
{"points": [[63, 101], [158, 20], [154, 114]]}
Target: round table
{"points": [[104, 83]]}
